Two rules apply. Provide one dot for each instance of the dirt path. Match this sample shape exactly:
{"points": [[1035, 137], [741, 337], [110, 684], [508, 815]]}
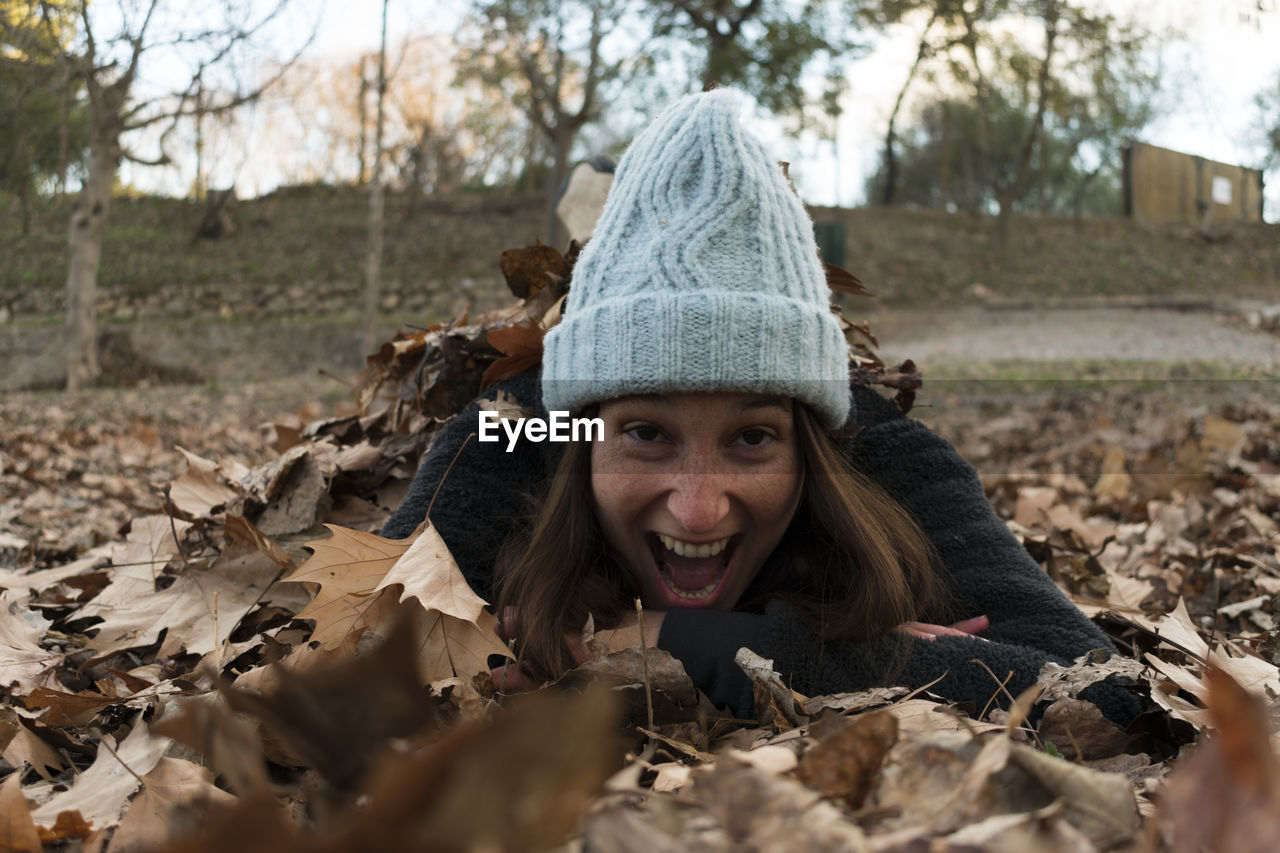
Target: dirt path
{"points": [[939, 338]]}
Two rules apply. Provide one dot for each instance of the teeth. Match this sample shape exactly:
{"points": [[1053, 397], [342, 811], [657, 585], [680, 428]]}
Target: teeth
{"points": [[690, 549], [697, 593]]}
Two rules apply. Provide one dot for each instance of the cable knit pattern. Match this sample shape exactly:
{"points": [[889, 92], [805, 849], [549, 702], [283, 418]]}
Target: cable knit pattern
{"points": [[986, 570], [702, 275]]}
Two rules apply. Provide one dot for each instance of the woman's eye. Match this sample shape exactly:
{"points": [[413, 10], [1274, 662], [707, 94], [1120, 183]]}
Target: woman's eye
{"points": [[644, 432], [755, 437]]}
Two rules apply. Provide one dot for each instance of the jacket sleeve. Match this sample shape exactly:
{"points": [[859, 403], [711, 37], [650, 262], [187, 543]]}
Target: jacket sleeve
{"points": [[478, 488], [986, 572]]}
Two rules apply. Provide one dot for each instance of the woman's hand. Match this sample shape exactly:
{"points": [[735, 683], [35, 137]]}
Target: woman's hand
{"points": [[583, 646], [929, 632]]}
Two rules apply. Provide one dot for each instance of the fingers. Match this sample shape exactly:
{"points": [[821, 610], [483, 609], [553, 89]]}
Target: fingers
{"points": [[972, 626], [930, 633]]}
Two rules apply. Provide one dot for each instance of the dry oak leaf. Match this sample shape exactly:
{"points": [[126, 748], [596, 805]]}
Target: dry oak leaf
{"points": [[458, 635], [101, 793], [1225, 795], [530, 269], [348, 567], [200, 609], [23, 663], [455, 631], [17, 830], [203, 487], [19, 745], [176, 797], [843, 765], [521, 345]]}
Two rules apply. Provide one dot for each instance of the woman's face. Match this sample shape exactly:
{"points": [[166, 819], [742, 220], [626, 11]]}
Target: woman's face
{"points": [[694, 491]]}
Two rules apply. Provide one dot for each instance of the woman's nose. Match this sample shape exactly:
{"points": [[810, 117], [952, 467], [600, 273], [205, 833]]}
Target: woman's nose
{"points": [[699, 501]]}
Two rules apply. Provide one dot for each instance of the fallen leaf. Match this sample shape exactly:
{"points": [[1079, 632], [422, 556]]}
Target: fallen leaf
{"points": [[532, 268], [325, 713], [17, 830], [348, 567], [19, 746], [23, 663], [227, 743], [198, 611], [843, 765], [175, 799], [521, 346], [1224, 796], [101, 793], [542, 760], [202, 488]]}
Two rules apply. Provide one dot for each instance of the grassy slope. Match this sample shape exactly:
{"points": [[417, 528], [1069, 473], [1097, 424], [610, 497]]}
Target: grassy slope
{"points": [[316, 237]]}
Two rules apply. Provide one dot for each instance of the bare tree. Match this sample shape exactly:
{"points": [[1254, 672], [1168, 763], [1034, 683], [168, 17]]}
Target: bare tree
{"points": [[546, 56], [215, 40], [373, 262]]}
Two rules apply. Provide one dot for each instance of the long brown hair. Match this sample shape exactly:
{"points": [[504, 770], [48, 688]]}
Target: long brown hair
{"points": [[853, 562]]}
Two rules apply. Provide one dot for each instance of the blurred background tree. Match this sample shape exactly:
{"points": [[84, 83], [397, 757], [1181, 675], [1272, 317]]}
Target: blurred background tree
{"points": [[1015, 119], [43, 119]]}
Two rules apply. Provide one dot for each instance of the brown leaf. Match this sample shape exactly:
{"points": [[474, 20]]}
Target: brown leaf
{"points": [[100, 794], [175, 798], [67, 826], [1080, 732], [674, 697], [843, 281], [844, 764], [17, 830], [760, 811], [202, 489], [456, 633], [521, 782], [339, 716], [348, 567], [521, 345], [775, 703], [20, 745], [198, 611], [532, 268], [23, 663], [227, 743]]}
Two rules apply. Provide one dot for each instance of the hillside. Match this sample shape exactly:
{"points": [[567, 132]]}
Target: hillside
{"points": [[303, 249], [282, 295]]}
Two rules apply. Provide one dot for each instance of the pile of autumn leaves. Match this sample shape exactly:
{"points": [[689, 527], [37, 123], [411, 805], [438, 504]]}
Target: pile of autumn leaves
{"points": [[204, 684]]}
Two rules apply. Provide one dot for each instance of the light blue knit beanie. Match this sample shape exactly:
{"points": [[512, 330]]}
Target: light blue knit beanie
{"points": [[702, 275]]}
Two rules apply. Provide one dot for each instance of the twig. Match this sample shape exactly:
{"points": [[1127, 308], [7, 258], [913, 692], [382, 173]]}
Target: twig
{"points": [[436, 493], [1013, 700], [116, 756], [173, 528], [644, 660], [327, 375], [686, 748], [1000, 689]]}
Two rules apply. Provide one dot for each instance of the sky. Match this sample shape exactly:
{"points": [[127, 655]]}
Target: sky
{"points": [[1228, 53]]}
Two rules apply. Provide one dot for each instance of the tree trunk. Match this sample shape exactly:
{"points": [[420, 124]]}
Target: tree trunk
{"points": [[890, 188], [562, 141], [373, 263], [362, 107], [88, 224]]}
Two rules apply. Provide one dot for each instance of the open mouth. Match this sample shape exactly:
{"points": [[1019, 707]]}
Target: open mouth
{"points": [[692, 571]]}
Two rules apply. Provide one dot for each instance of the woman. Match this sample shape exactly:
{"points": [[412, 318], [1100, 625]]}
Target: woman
{"points": [[741, 489]]}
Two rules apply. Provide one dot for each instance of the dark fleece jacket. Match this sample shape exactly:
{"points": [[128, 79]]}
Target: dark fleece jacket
{"points": [[986, 571]]}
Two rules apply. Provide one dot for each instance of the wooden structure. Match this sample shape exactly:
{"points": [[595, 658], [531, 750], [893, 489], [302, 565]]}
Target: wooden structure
{"points": [[1161, 185]]}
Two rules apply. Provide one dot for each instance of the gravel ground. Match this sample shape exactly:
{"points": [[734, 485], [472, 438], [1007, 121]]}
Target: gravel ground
{"points": [[936, 340]]}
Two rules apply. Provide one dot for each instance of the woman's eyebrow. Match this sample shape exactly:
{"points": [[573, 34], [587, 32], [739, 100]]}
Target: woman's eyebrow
{"points": [[781, 405]]}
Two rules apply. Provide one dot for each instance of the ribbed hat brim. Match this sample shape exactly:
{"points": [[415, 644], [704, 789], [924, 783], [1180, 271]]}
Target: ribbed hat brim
{"points": [[698, 341]]}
